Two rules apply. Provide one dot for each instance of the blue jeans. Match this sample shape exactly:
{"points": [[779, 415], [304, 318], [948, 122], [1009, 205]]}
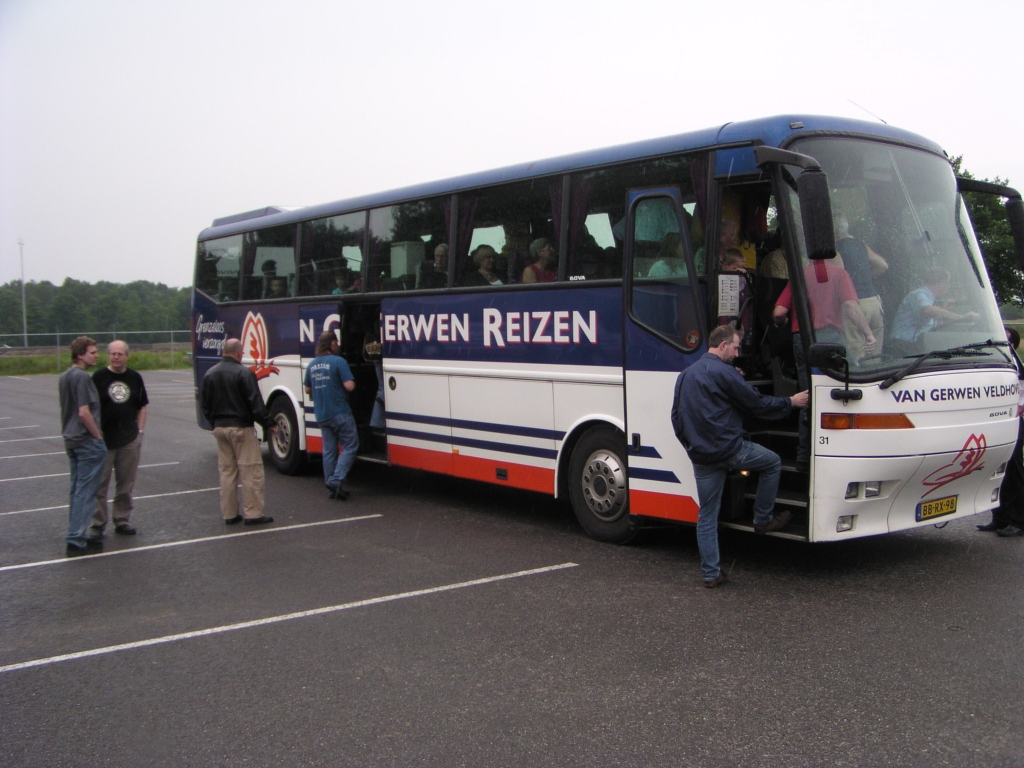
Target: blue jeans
{"points": [[339, 432], [87, 462], [710, 483]]}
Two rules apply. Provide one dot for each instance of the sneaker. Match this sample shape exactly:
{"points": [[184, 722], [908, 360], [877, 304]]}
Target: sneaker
{"points": [[718, 581], [125, 529], [263, 520], [779, 521]]}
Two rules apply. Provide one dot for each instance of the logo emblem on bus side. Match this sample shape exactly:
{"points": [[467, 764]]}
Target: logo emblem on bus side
{"points": [[963, 464], [256, 345]]}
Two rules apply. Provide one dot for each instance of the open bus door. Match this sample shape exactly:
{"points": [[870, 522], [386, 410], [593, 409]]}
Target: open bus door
{"points": [[665, 331]]}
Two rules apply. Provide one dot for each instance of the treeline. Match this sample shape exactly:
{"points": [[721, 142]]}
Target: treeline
{"points": [[78, 306]]}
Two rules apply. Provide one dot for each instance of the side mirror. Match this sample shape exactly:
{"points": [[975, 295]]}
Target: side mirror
{"points": [[1015, 213], [816, 210], [825, 355]]}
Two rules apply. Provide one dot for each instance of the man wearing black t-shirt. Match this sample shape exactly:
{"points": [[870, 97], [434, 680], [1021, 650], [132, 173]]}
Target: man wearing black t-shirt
{"points": [[123, 403]]}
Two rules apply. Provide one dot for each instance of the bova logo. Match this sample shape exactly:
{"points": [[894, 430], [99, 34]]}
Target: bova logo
{"points": [[256, 345]]}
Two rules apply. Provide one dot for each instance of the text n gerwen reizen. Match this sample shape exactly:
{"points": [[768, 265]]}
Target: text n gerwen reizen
{"points": [[497, 328]]}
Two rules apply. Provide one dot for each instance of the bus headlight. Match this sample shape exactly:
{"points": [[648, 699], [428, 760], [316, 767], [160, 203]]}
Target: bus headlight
{"points": [[845, 523]]}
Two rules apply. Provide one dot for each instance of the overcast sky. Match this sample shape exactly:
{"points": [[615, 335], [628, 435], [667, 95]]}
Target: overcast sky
{"points": [[127, 127]]}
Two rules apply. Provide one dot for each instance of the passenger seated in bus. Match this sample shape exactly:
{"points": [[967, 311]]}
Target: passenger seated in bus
{"points": [[671, 262], [278, 288], [733, 261], [863, 265], [345, 281], [484, 257], [729, 238], [921, 311], [542, 270], [435, 274], [832, 297]]}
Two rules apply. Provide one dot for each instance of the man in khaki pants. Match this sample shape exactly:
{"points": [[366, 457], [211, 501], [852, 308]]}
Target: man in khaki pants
{"points": [[232, 403]]}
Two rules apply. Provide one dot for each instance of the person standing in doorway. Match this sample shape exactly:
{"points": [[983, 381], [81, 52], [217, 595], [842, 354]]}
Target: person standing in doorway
{"points": [[231, 402], [83, 442], [123, 402], [328, 381]]}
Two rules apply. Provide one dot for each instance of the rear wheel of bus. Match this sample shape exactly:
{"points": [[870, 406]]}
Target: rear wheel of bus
{"points": [[598, 485], [284, 445]]}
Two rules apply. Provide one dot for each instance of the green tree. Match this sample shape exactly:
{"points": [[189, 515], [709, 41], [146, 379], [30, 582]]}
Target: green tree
{"points": [[993, 231]]}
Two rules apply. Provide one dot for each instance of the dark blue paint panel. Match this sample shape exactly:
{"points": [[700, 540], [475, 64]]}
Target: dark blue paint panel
{"points": [[482, 426], [487, 445], [661, 475], [567, 327]]}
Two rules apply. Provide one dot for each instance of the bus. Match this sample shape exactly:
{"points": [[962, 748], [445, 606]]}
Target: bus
{"points": [[525, 326]]}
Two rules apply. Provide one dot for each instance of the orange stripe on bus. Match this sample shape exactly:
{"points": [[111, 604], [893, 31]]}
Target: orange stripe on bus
{"points": [[519, 475], [663, 505], [420, 458], [314, 444]]}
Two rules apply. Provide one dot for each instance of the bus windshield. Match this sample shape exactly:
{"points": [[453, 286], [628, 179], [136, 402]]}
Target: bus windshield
{"points": [[905, 241]]}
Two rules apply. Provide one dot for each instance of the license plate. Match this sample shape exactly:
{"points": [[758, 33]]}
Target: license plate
{"points": [[926, 510]]}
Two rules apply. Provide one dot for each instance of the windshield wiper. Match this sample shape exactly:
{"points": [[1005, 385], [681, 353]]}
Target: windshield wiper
{"points": [[967, 350]]}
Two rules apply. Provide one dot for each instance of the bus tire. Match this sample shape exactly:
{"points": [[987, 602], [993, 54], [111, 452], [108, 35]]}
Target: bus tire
{"points": [[598, 485], [284, 445]]}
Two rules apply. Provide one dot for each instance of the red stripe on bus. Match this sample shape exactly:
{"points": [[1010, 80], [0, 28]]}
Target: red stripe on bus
{"points": [[663, 505], [473, 468], [314, 444], [519, 475], [420, 458]]}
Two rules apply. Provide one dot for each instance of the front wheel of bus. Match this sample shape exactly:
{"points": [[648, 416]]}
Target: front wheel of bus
{"points": [[598, 485], [284, 445]]}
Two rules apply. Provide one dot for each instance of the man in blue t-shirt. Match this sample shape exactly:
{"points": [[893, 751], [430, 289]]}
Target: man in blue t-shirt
{"points": [[328, 381]]}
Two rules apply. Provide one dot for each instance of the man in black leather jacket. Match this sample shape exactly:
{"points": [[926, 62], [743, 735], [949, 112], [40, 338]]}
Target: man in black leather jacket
{"points": [[232, 403]]}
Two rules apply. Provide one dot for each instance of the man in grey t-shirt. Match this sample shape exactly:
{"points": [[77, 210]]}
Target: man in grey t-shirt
{"points": [[83, 442]]}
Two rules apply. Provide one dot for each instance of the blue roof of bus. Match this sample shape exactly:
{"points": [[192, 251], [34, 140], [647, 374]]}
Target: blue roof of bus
{"points": [[771, 131]]}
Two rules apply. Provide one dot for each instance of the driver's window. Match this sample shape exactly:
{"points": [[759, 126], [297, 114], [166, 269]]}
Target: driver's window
{"points": [[661, 297]]}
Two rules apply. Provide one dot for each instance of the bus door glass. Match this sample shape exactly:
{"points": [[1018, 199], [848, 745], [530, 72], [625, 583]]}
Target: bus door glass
{"points": [[664, 333]]}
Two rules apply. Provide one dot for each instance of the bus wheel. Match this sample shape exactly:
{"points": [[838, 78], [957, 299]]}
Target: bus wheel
{"points": [[284, 446], [598, 487]]}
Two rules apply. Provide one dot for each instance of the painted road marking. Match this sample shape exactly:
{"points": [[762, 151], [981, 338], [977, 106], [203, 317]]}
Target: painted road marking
{"points": [[282, 618], [135, 498], [183, 542], [26, 439], [33, 455], [66, 474]]}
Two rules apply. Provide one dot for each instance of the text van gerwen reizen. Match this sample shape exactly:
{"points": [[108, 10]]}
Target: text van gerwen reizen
{"points": [[498, 329]]}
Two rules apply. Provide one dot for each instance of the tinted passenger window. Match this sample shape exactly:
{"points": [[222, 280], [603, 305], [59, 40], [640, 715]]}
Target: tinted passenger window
{"points": [[661, 297], [331, 256], [217, 265], [597, 224], [497, 228], [268, 263], [402, 242]]}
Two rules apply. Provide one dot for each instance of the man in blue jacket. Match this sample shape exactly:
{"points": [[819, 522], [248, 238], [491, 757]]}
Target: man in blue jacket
{"points": [[708, 420]]}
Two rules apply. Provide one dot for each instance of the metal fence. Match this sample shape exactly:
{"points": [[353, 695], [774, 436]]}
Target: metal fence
{"points": [[55, 345]]}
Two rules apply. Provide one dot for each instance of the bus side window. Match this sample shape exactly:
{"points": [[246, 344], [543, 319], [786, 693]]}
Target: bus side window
{"points": [[217, 267], [402, 238], [497, 228], [268, 263], [331, 255]]}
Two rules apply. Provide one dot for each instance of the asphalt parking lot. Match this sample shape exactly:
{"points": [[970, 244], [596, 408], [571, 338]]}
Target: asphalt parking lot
{"points": [[432, 621]]}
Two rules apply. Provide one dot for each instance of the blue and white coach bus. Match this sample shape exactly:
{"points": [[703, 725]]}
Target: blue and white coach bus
{"points": [[541, 351]]}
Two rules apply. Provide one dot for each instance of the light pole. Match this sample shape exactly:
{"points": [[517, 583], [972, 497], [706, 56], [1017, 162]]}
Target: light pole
{"points": [[24, 315]]}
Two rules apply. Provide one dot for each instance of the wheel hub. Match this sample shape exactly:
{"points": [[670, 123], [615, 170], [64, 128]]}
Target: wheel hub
{"points": [[604, 485], [281, 442]]}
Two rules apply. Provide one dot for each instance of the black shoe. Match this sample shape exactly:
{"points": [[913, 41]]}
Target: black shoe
{"points": [[258, 520], [125, 529], [777, 522], [1010, 530], [92, 546], [95, 533], [233, 520], [339, 493], [718, 581], [993, 526]]}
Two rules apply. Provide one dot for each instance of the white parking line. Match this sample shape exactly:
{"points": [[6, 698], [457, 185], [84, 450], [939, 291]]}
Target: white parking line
{"points": [[19, 378], [135, 498], [65, 474], [33, 455], [28, 426], [284, 617], [183, 542], [26, 439]]}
